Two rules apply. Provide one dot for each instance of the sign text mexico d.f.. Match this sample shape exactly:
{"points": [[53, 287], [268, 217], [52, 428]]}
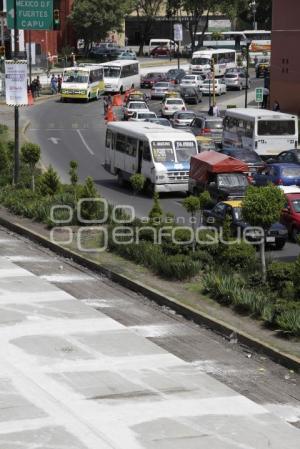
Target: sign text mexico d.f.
{"points": [[31, 14]]}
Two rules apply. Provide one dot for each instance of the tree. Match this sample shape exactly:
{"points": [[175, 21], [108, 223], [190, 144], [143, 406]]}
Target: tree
{"points": [[137, 182], [192, 206], [262, 207], [146, 11], [92, 19], [90, 210], [31, 154], [156, 213], [50, 182], [204, 201]]}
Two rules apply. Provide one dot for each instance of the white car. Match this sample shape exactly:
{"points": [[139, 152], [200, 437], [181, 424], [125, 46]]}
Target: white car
{"points": [[135, 106], [220, 87], [192, 81], [142, 116], [171, 105]]}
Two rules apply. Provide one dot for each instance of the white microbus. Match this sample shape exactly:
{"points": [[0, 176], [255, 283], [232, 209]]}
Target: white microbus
{"points": [[223, 59], [121, 75], [161, 154], [167, 43], [84, 82], [266, 132]]}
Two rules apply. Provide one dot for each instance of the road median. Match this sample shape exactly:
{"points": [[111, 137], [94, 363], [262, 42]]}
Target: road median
{"points": [[182, 299]]}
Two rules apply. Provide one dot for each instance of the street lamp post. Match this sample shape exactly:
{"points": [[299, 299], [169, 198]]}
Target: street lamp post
{"points": [[248, 43], [253, 5]]}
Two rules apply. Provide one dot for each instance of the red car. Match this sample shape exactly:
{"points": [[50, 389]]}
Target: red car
{"points": [[290, 215], [161, 51], [151, 78]]}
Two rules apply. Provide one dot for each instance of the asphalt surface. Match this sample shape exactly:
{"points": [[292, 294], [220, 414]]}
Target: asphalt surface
{"points": [[86, 363], [76, 131]]}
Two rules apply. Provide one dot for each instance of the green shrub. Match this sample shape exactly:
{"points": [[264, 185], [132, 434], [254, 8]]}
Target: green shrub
{"points": [[296, 278], [137, 182], [278, 273], [289, 319], [238, 255], [204, 258], [223, 288], [49, 182], [156, 212]]}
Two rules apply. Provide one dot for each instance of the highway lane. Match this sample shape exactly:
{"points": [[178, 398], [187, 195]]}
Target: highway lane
{"points": [[67, 131]]}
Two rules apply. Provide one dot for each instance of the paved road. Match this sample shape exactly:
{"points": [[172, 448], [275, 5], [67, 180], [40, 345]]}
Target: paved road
{"points": [[69, 131], [86, 364]]}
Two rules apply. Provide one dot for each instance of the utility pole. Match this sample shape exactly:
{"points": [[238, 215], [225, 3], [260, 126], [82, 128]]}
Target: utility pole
{"points": [[16, 149], [29, 57], [248, 43], [213, 81]]}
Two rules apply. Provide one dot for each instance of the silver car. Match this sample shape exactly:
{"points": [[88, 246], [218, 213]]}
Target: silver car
{"points": [[236, 80], [182, 119], [160, 89]]}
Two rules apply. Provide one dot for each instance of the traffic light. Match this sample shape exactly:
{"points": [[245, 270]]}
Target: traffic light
{"points": [[212, 65], [56, 19]]}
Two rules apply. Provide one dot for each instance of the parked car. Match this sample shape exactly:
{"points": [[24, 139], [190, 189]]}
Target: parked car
{"points": [[207, 87], [236, 80], [182, 119], [291, 156], [161, 51], [106, 50], [152, 78], [277, 234], [171, 105], [142, 116], [222, 176], [252, 159], [160, 89], [290, 215], [205, 144], [127, 55], [192, 81], [191, 94], [134, 106], [205, 125], [175, 75], [280, 174], [159, 121]]}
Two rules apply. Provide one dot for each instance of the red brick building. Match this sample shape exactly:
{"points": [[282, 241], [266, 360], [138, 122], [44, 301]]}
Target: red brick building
{"points": [[53, 41], [285, 61]]}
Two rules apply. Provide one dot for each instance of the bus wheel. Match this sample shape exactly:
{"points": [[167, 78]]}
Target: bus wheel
{"points": [[121, 90], [132, 86], [150, 188], [120, 178], [295, 235]]}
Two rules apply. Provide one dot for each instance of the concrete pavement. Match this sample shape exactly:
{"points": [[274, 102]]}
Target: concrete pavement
{"points": [[73, 377]]}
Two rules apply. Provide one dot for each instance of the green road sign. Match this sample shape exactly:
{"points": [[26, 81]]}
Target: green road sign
{"points": [[31, 14], [259, 93]]}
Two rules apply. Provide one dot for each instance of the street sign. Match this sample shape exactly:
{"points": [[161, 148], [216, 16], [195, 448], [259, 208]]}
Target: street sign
{"points": [[16, 83], [259, 94], [178, 32], [31, 14]]}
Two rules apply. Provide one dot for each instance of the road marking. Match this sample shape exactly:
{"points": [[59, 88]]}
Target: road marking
{"points": [[84, 142], [54, 140]]}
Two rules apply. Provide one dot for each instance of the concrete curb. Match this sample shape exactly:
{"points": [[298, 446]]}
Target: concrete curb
{"points": [[218, 326]]}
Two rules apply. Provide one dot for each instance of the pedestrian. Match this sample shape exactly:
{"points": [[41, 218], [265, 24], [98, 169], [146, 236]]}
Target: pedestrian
{"points": [[216, 110], [38, 86], [53, 85], [276, 106], [59, 81], [109, 100], [33, 87], [266, 93]]}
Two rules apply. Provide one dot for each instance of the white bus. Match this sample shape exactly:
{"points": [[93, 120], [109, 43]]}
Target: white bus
{"points": [[121, 75], [223, 59], [266, 132], [161, 154], [84, 82]]}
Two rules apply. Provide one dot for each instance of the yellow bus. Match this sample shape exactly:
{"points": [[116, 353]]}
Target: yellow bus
{"points": [[82, 83]]}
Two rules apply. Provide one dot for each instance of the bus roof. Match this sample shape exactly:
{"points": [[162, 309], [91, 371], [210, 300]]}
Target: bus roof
{"points": [[237, 33], [119, 63], [149, 130], [257, 113], [213, 50]]}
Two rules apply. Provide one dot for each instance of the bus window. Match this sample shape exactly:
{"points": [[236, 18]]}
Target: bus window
{"points": [[121, 143], [146, 151], [131, 146], [108, 139], [275, 127]]}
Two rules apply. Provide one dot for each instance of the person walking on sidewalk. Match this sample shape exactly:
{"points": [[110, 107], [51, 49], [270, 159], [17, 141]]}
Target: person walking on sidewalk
{"points": [[53, 85], [38, 86], [59, 81]]}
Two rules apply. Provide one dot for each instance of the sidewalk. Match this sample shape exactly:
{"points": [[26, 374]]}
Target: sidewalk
{"points": [[72, 377]]}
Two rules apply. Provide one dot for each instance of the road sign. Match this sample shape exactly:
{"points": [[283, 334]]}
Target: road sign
{"points": [[178, 32], [31, 14], [259, 94]]}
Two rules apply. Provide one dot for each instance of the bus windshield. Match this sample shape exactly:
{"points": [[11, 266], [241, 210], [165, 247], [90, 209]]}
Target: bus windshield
{"points": [[112, 72], [200, 61], [275, 127], [184, 150], [76, 76], [163, 151]]}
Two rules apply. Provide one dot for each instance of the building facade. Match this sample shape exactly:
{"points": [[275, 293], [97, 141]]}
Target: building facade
{"points": [[285, 61]]}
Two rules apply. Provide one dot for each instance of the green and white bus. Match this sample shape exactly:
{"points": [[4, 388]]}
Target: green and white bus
{"points": [[84, 83]]}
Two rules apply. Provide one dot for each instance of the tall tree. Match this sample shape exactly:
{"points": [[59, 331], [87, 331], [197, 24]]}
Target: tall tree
{"points": [[92, 19], [146, 11]]}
